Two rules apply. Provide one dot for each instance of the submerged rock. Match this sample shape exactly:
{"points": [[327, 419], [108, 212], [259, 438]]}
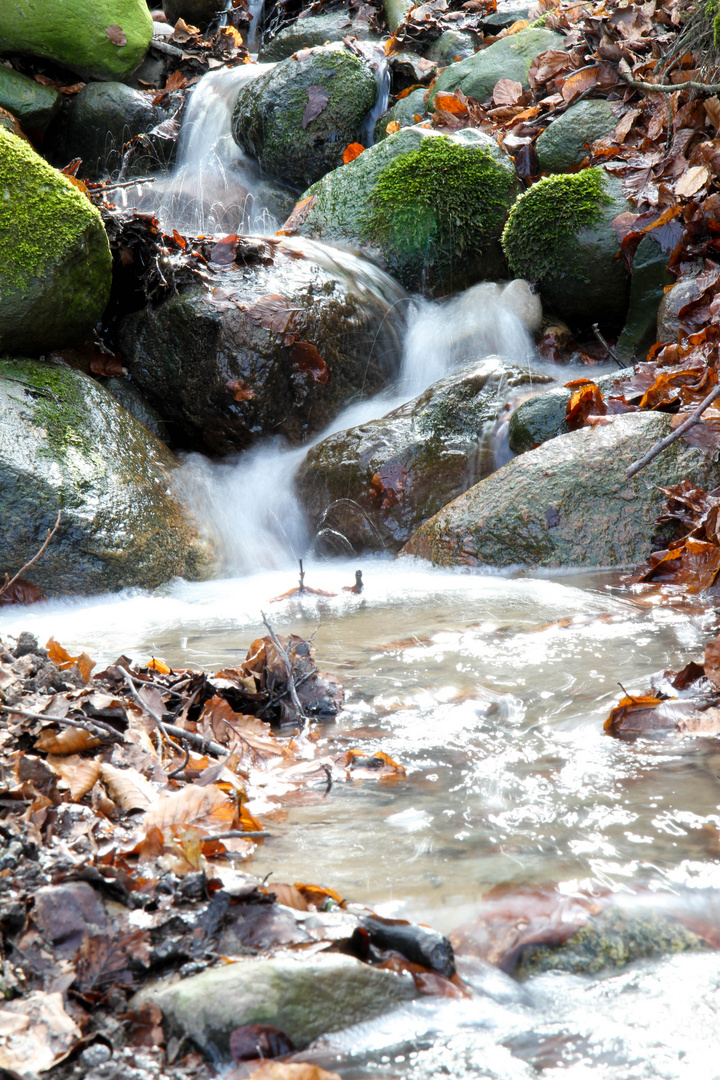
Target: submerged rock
{"points": [[273, 349], [565, 142], [509, 58], [33, 105], [568, 502], [297, 118], [55, 263], [370, 487], [559, 236], [388, 202], [304, 997], [106, 39], [65, 444], [307, 33]]}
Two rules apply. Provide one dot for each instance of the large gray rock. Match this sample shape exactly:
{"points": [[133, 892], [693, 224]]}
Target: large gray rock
{"points": [[560, 237], [303, 996], [388, 202], [66, 445], [312, 31], [567, 503], [271, 350], [34, 105], [453, 45], [509, 58], [374, 484], [564, 143], [404, 112], [650, 277], [55, 263], [297, 118]]}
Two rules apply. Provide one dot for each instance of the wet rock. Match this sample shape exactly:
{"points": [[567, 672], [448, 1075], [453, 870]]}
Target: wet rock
{"points": [[405, 112], [408, 70], [33, 105], [388, 203], [276, 349], [196, 12], [612, 939], [96, 123], [505, 14], [453, 45], [65, 444], [509, 58], [55, 263], [650, 277], [567, 503], [313, 31], [297, 118], [395, 12], [103, 40], [304, 997], [559, 236], [565, 143], [685, 291], [127, 394], [370, 487], [542, 417]]}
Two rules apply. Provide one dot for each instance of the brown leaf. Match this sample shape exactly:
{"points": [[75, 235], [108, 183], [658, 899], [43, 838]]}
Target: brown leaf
{"points": [[648, 715], [68, 741], [116, 34], [507, 92], [298, 215], [317, 103], [36, 1031], [275, 313], [309, 360], [204, 808], [578, 82], [253, 1041], [223, 253], [176, 81], [64, 660], [353, 150], [273, 1070], [693, 181], [129, 788], [240, 390], [585, 402], [20, 592]]}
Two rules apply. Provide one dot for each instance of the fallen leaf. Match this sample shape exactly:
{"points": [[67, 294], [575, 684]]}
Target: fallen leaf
{"points": [[34, 1032], [450, 103], [585, 402], [204, 808], [693, 181], [317, 103], [392, 127], [507, 92], [299, 213], [355, 149], [176, 81], [20, 592], [275, 313], [70, 740], [309, 360], [128, 788], [116, 34], [64, 660], [240, 390], [259, 1041], [291, 1071]]}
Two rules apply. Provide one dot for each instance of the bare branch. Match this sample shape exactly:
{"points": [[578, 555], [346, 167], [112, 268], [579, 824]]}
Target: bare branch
{"points": [[21, 571], [691, 421], [289, 673]]}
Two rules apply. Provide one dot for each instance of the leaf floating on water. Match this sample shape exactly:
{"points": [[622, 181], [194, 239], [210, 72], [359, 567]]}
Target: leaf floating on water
{"points": [[317, 103], [355, 149], [116, 34]]}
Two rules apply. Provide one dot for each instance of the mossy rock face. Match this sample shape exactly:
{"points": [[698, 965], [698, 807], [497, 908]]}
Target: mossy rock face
{"points": [[66, 445], [271, 110], [274, 350], [453, 44], [96, 123], [313, 31], [55, 264], [376, 483], [32, 104], [543, 417], [509, 58], [105, 39], [559, 236], [613, 939], [435, 236], [650, 277], [404, 112], [564, 144], [567, 503]]}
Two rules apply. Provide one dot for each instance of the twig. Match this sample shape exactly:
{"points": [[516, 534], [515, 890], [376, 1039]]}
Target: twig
{"points": [[208, 746], [668, 88], [606, 345], [288, 671], [627, 694], [21, 571], [167, 48], [31, 389], [146, 708], [238, 834], [93, 727], [98, 189], [691, 421], [180, 768]]}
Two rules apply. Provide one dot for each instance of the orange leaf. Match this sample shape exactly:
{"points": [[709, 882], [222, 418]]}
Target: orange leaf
{"points": [[353, 150], [450, 103], [159, 665], [392, 127]]}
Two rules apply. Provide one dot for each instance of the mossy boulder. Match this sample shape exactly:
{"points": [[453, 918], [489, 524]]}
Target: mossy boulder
{"points": [[105, 39], [650, 278], [272, 350], [568, 502], [65, 444], [55, 264], [560, 237], [297, 118], [565, 142], [509, 58], [370, 487], [405, 111], [31, 103], [313, 31], [542, 417], [453, 44], [388, 202]]}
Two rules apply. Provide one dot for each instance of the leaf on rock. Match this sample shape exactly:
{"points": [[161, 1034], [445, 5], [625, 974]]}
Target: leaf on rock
{"points": [[275, 313], [240, 390], [20, 592], [129, 788], [353, 150], [392, 127], [388, 484], [317, 103], [116, 34], [64, 660], [452, 103], [584, 402], [506, 92], [299, 213], [176, 81], [309, 360], [259, 1041]]}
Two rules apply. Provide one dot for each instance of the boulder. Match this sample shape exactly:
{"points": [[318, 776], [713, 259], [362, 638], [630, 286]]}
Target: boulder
{"points": [[127, 394], [650, 277], [196, 12], [567, 503], [297, 118], [106, 39], [65, 444], [505, 14], [313, 31], [96, 123], [405, 111], [271, 350], [395, 12], [542, 416], [31, 103], [303, 996], [55, 263], [559, 236], [370, 487], [684, 291], [388, 203], [453, 45], [565, 142], [509, 58], [408, 70]]}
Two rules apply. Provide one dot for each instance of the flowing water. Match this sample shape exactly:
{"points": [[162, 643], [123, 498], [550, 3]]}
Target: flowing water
{"points": [[491, 690]]}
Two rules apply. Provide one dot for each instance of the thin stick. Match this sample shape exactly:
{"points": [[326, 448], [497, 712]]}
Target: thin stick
{"points": [[180, 768], [288, 671], [606, 345], [145, 708], [668, 88], [21, 571], [100, 188], [191, 737], [238, 834], [691, 421], [93, 727]]}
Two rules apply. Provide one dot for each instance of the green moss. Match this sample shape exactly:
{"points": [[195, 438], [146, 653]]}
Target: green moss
{"points": [[538, 237], [437, 203]]}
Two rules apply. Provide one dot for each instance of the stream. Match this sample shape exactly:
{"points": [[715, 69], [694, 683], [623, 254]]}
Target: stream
{"points": [[489, 688]]}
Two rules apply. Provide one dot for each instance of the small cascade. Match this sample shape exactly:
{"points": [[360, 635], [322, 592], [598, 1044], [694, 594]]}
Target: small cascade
{"points": [[381, 70]]}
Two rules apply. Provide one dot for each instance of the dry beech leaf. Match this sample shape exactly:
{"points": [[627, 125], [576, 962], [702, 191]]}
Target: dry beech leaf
{"points": [[355, 149], [78, 774], [693, 181], [116, 34], [205, 808], [62, 658], [129, 788], [68, 741], [507, 92]]}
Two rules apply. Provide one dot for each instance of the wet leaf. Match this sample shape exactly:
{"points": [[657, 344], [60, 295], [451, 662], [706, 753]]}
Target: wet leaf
{"points": [[116, 35], [584, 402], [240, 390], [648, 715], [275, 313], [507, 92], [712, 661], [176, 81], [259, 1041], [309, 360], [298, 215], [20, 592], [64, 660], [317, 103], [353, 150]]}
